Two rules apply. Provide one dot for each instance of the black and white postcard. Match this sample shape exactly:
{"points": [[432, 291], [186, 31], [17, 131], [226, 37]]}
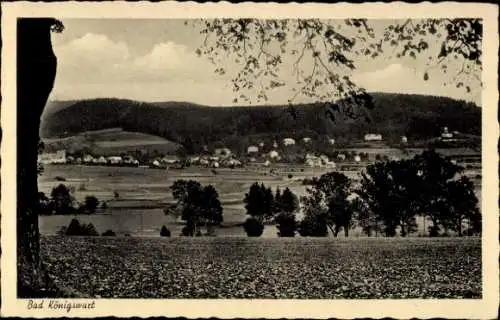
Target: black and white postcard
{"points": [[249, 160]]}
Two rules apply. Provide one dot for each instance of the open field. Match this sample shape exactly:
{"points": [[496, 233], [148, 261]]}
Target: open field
{"points": [[297, 268], [112, 142], [144, 191]]}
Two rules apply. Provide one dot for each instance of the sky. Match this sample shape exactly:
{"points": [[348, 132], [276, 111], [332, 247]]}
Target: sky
{"points": [[155, 60]]}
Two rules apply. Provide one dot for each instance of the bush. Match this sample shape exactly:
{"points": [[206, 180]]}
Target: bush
{"points": [[313, 226], [91, 204], [286, 224], [89, 230], [109, 233], [308, 182], [290, 176], [186, 231], [164, 232], [434, 231], [81, 209], [253, 227], [77, 229], [62, 200], [62, 231], [210, 231], [74, 228]]}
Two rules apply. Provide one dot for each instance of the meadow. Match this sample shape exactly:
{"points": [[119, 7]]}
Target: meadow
{"points": [[294, 268], [143, 193]]}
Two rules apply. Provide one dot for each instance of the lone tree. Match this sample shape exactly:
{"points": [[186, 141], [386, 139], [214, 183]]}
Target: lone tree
{"points": [[197, 205], [389, 189], [327, 200], [462, 207], [286, 204], [91, 204], [62, 200], [259, 202]]}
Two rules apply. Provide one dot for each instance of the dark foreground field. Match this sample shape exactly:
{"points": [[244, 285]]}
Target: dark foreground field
{"points": [[296, 268]]}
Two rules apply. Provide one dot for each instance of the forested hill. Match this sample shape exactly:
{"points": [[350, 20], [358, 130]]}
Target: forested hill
{"points": [[394, 115]]}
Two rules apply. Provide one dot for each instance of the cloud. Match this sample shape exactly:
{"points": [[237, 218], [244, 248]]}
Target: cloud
{"points": [[96, 65], [95, 58], [92, 49], [168, 60]]}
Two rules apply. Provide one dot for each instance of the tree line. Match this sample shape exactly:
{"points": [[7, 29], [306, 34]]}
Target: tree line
{"points": [[62, 202], [419, 117], [387, 200]]}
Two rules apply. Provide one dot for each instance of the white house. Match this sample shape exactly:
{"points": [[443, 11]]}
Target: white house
{"points": [[194, 160], [234, 162], [222, 152], [273, 154], [267, 163], [87, 158], [341, 156], [57, 157], [252, 149], [288, 141], [170, 159], [324, 158], [101, 160], [310, 156], [373, 137], [357, 158], [314, 162], [446, 134], [330, 164], [156, 163], [331, 141], [115, 160], [275, 145], [306, 140], [261, 144], [404, 139]]}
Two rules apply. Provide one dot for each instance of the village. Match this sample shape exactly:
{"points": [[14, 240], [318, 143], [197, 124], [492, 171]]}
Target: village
{"points": [[256, 155], [218, 157]]}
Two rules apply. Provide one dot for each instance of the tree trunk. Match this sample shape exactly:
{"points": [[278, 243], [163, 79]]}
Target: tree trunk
{"points": [[403, 230], [36, 69], [346, 231], [333, 231]]}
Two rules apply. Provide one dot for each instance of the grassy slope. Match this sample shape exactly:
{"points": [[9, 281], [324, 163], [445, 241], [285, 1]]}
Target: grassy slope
{"points": [[111, 142], [266, 268]]}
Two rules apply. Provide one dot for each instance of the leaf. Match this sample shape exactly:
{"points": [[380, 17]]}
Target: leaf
{"points": [[443, 52]]}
